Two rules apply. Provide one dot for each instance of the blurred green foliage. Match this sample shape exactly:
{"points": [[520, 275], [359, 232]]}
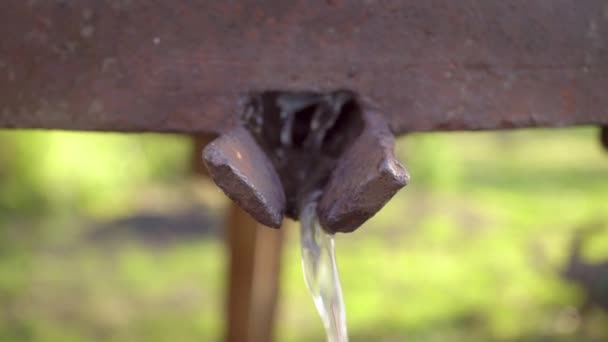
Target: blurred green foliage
{"points": [[56, 172], [470, 251]]}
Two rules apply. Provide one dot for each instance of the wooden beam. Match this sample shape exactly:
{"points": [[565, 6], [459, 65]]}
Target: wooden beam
{"points": [[253, 283]]}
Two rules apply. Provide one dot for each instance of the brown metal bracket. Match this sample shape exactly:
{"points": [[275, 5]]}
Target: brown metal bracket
{"points": [[241, 169], [291, 146], [367, 176]]}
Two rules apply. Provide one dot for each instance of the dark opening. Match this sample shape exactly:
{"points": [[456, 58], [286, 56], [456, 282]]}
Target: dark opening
{"points": [[301, 124], [348, 126], [303, 134]]}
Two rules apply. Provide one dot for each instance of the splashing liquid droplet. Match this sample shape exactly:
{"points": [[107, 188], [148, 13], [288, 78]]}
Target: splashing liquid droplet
{"points": [[321, 274]]}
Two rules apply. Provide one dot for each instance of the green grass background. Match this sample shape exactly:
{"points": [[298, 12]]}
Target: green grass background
{"points": [[470, 251]]}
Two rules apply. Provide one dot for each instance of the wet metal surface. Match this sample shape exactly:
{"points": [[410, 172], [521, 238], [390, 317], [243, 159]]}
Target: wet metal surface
{"points": [[315, 145], [184, 66]]}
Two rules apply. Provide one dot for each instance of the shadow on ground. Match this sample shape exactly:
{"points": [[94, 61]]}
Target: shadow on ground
{"points": [[158, 229]]}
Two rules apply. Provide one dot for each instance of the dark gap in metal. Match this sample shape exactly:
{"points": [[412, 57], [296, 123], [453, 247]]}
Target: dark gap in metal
{"points": [[303, 134], [343, 130], [301, 126]]}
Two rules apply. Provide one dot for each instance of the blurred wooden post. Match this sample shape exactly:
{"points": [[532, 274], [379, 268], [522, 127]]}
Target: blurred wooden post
{"points": [[254, 253]]}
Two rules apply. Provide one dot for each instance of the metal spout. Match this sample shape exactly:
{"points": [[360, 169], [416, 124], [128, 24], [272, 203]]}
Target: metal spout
{"points": [[291, 144]]}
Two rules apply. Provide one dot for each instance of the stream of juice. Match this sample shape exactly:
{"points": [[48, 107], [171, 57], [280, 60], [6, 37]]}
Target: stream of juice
{"points": [[321, 274]]}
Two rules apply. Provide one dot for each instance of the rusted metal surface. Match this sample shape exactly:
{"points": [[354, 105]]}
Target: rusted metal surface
{"points": [[192, 66], [365, 179], [329, 148], [240, 168], [184, 66]]}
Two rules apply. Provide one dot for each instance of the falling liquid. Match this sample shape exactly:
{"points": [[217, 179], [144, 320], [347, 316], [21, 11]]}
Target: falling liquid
{"points": [[321, 274]]}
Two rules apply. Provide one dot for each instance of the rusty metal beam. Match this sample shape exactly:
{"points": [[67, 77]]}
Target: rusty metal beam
{"points": [[184, 66]]}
